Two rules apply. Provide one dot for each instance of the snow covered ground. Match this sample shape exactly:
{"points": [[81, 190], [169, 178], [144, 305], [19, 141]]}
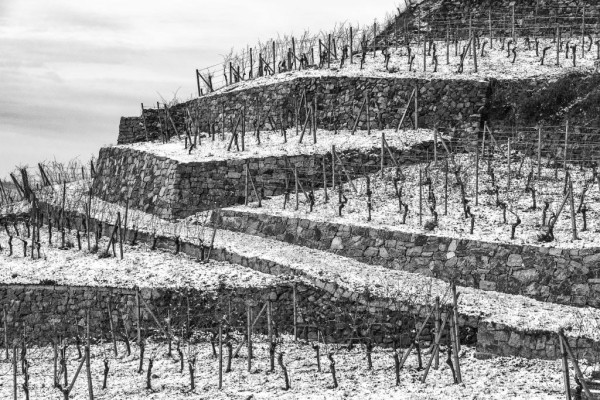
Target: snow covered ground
{"points": [[400, 287], [499, 378], [160, 269], [272, 144], [140, 267], [489, 222], [495, 63]]}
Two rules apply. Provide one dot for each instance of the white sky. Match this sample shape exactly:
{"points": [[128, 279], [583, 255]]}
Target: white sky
{"points": [[69, 69]]}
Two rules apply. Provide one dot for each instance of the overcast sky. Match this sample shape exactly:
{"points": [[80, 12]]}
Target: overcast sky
{"points": [[70, 68]]}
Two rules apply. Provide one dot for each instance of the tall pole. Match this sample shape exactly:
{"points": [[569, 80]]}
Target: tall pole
{"points": [[539, 153]]}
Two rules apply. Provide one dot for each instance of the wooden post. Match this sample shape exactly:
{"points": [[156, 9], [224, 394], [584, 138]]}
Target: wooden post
{"points": [[420, 196], [368, 115], [296, 185], [455, 350], [274, 60], [573, 211], [477, 173], [351, 40], [315, 120], [567, 347], [416, 106], [448, 43], [325, 181], [112, 330], [424, 55], [329, 51], [333, 167], [270, 321], [436, 360], [382, 152], [222, 121], [474, 49], [566, 147], [139, 315], [249, 310], [88, 366], [508, 162], [250, 74], [490, 28], [435, 144], [539, 153], [294, 53], [295, 309], [120, 228], [5, 322], [246, 172], [565, 368], [582, 33], [198, 83], [220, 356], [14, 364], [446, 188], [513, 25], [558, 45], [455, 317]]}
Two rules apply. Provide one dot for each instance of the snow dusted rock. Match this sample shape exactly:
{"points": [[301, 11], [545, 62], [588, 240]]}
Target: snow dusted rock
{"points": [[515, 260], [336, 244]]}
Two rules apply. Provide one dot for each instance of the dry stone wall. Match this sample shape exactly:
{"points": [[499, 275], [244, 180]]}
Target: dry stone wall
{"points": [[447, 103], [565, 276], [170, 189], [319, 302]]}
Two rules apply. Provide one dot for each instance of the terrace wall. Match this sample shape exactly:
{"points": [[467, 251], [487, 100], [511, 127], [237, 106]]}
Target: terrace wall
{"points": [[548, 274], [45, 310], [447, 103], [170, 189]]}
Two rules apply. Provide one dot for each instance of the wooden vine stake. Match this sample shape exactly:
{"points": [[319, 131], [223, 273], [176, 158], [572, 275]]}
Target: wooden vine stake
{"points": [[88, 367], [112, 330], [565, 367], [436, 349], [249, 310], [455, 313], [220, 356], [539, 153], [295, 310], [477, 173], [14, 365], [5, 322], [564, 346], [573, 211]]}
